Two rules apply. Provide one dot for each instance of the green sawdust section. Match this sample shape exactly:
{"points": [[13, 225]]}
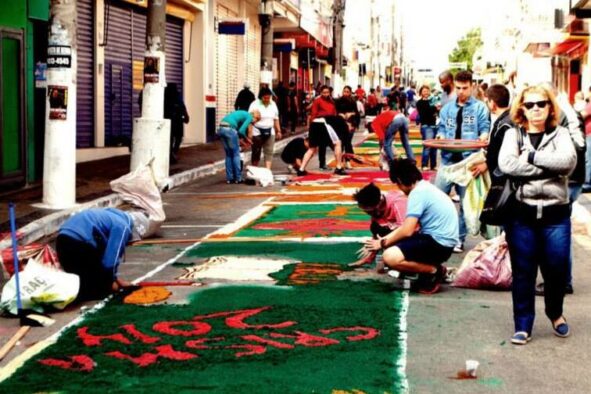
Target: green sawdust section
{"points": [[316, 216], [371, 366]]}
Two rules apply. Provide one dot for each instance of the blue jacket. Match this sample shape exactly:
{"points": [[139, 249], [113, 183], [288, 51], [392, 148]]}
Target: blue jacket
{"points": [[475, 122], [105, 229]]}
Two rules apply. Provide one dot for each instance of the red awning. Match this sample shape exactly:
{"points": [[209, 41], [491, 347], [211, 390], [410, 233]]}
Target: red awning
{"points": [[573, 48]]}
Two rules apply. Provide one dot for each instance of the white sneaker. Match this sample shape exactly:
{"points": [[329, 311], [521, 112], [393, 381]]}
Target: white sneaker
{"points": [[290, 169], [455, 198], [459, 248]]}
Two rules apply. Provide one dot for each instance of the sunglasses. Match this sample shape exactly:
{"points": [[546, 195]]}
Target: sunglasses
{"points": [[539, 104]]}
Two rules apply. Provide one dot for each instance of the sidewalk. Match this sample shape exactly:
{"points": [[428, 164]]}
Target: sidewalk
{"points": [[92, 188]]}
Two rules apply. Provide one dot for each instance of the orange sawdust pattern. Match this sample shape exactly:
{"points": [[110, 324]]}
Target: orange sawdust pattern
{"points": [[147, 295], [313, 198], [312, 188], [310, 273]]}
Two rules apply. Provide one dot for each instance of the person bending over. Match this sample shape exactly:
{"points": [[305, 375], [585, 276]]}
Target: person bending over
{"points": [[387, 213], [421, 252], [294, 152]]}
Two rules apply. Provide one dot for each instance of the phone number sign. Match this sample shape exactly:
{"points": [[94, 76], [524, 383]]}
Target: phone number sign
{"points": [[59, 56]]}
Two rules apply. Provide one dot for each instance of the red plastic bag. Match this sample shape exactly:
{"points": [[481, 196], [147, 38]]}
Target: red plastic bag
{"points": [[487, 266], [41, 252]]}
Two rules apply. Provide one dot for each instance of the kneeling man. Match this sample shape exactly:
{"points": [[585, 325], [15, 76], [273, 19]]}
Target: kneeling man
{"points": [[425, 251]]}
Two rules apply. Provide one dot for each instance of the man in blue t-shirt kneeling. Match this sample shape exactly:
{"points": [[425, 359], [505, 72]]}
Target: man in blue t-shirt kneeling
{"points": [[425, 251]]}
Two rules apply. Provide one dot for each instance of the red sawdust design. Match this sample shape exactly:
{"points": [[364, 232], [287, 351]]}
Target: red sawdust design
{"points": [[313, 227], [313, 198]]}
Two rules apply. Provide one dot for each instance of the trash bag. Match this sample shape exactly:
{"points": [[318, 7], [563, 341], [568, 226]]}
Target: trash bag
{"points": [[139, 189], [42, 253], [263, 176], [473, 202], [487, 266], [41, 286]]}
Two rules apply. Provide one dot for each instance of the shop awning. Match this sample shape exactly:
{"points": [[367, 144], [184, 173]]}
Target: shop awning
{"points": [[571, 47], [184, 9]]}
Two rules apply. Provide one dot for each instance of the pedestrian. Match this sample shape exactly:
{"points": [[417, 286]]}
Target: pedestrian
{"points": [[244, 99], [497, 101], [386, 125], [91, 244], [281, 99], [586, 114], [387, 212], [570, 119], [359, 92], [234, 127], [411, 96], [464, 118], [293, 108], [328, 131], [266, 127], [425, 251], [175, 110], [446, 80], [428, 123], [323, 105], [372, 103], [294, 152], [539, 231]]}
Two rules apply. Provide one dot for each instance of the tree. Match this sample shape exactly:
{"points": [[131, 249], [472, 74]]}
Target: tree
{"points": [[466, 47]]}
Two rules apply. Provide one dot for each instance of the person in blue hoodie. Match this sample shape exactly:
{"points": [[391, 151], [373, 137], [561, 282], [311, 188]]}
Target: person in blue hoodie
{"points": [[464, 118], [91, 244]]}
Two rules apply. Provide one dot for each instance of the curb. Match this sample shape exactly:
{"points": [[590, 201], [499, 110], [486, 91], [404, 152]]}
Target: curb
{"points": [[51, 223]]}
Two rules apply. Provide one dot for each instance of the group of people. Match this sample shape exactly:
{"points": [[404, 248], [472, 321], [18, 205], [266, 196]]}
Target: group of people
{"points": [[537, 142]]}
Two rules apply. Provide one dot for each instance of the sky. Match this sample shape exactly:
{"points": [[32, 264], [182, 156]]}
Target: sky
{"points": [[432, 27]]}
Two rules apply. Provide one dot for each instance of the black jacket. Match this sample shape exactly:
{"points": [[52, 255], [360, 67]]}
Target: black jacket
{"points": [[244, 99], [497, 133]]}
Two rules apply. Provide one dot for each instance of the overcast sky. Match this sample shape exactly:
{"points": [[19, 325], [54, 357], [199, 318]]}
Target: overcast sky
{"points": [[432, 27]]}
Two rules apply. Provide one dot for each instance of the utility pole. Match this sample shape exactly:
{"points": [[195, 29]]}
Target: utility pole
{"points": [[338, 9], [59, 158], [151, 132], [265, 20]]}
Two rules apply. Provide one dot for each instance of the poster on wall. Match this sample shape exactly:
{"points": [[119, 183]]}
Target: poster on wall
{"points": [[151, 69], [58, 102], [40, 75]]}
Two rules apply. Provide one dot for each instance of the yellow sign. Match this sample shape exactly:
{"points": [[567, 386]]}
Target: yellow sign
{"points": [[138, 74]]}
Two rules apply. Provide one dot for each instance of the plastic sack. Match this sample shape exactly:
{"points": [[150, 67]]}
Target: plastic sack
{"points": [[262, 176], [40, 286], [487, 266], [139, 189], [473, 202], [460, 172], [40, 252]]}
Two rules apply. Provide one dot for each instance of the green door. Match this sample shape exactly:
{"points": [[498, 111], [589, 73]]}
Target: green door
{"points": [[12, 130]]}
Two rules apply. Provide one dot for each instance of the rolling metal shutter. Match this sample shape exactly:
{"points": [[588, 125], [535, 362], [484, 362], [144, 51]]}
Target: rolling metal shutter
{"points": [[118, 75], [253, 54], [126, 44], [85, 74], [226, 67]]}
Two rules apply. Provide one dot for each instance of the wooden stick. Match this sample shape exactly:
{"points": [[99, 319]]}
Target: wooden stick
{"points": [[15, 338], [171, 283]]}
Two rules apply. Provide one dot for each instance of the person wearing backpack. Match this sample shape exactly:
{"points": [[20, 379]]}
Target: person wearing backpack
{"points": [[575, 124], [539, 231]]}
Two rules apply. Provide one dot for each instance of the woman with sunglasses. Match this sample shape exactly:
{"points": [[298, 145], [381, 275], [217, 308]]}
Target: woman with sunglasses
{"points": [[539, 155]]}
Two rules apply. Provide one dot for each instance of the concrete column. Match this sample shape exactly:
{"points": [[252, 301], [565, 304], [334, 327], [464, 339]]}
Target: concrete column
{"points": [[99, 74], [265, 19], [151, 132], [59, 160]]}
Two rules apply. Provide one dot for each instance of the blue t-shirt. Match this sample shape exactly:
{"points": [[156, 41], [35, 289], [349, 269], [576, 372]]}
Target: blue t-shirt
{"points": [[436, 213]]}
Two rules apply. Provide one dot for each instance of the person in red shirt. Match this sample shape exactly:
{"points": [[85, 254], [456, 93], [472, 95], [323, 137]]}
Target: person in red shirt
{"points": [[322, 106], [387, 212], [386, 125], [360, 93], [372, 105]]}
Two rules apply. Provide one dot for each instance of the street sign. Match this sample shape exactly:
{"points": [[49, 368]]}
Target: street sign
{"points": [[461, 65], [59, 56]]}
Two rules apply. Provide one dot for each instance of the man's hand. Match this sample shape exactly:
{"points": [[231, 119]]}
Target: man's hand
{"points": [[439, 137], [483, 137], [373, 245], [478, 169], [365, 257], [120, 284]]}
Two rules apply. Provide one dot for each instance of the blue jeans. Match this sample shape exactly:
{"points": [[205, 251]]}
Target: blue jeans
{"points": [[229, 139], [530, 245], [399, 123], [446, 187], [429, 157]]}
